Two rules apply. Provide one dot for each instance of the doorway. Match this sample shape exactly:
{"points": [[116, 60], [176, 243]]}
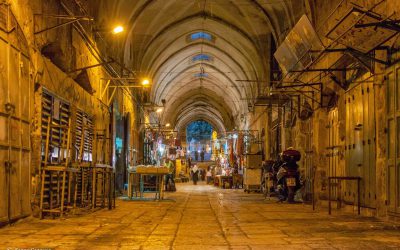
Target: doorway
{"points": [[360, 142], [393, 138], [15, 116], [198, 136]]}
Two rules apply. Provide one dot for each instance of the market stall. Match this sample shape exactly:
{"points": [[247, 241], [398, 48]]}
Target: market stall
{"points": [[238, 159]]}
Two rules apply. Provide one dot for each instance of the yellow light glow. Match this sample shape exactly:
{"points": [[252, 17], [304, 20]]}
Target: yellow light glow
{"points": [[159, 110], [145, 82], [167, 125], [118, 29]]}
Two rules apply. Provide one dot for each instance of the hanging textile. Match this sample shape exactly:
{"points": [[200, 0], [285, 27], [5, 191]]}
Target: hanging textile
{"points": [[239, 150], [230, 145]]}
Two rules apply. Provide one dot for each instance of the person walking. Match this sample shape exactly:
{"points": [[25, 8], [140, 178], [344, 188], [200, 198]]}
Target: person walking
{"points": [[195, 174], [202, 155], [196, 155], [203, 174], [189, 162]]}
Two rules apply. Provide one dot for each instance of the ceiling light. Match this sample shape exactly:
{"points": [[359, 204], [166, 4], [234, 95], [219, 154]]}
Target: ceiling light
{"points": [[145, 82], [167, 125], [159, 110], [118, 29]]}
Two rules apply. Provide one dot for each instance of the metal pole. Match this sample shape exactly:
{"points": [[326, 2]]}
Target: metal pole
{"points": [[312, 195], [329, 195], [57, 26], [358, 194], [89, 67], [87, 18]]}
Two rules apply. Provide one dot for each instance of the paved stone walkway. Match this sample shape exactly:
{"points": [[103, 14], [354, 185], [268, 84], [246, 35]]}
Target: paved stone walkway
{"points": [[203, 217]]}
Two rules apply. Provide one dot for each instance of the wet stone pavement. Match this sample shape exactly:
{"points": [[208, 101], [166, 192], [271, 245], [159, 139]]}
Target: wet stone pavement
{"points": [[203, 217]]}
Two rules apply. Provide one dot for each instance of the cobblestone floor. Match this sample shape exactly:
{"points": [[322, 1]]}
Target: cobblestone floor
{"points": [[203, 217]]}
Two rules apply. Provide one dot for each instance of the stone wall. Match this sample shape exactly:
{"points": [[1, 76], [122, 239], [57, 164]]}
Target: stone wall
{"points": [[328, 132], [69, 50]]}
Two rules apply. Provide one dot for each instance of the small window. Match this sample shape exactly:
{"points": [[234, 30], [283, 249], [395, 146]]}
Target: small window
{"points": [[201, 57], [200, 35], [201, 75]]}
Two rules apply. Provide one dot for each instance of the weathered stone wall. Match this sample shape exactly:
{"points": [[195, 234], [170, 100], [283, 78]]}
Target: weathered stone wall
{"points": [[380, 138], [328, 128], [71, 52]]}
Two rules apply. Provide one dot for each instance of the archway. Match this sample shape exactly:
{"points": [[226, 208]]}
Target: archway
{"points": [[198, 140]]}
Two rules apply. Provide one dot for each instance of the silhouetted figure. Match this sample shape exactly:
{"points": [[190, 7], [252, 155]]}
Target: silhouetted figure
{"points": [[196, 155], [202, 155], [203, 174], [189, 163], [195, 174]]}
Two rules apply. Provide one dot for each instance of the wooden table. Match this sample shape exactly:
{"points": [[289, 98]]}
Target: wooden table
{"points": [[136, 185], [222, 179]]}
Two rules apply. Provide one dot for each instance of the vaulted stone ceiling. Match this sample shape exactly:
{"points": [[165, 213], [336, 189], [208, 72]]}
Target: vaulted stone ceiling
{"points": [[159, 44]]}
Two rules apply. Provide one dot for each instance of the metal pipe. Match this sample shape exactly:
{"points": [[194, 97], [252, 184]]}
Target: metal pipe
{"points": [[298, 85], [56, 26], [86, 18], [329, 195], [89, 67], [322, 70]]}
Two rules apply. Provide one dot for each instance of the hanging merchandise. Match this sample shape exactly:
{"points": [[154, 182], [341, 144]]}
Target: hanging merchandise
{"points": [[234, 143], [239, 150], [230, 147], [178, 143]]}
